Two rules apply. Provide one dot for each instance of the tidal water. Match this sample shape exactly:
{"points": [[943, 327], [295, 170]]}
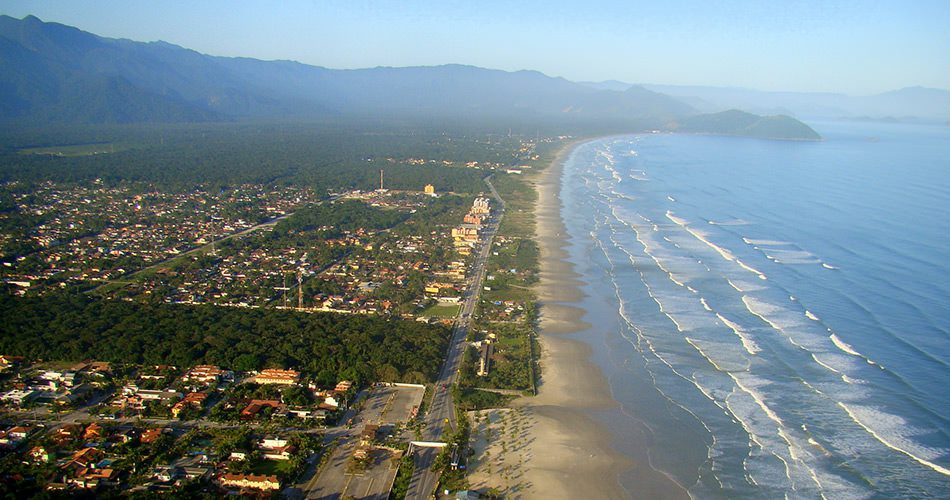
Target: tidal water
{"points": [[773, 317]]}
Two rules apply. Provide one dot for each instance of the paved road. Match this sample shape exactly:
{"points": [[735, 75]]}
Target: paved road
{"points": [[442, 411]]}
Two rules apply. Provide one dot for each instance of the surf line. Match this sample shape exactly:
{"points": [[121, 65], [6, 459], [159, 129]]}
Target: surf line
{"points": [[726, 254]]}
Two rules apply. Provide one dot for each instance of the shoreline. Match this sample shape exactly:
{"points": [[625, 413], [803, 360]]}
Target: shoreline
{"points": [[573, 454]]}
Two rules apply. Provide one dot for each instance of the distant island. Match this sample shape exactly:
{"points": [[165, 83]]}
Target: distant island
{"points": [[740, 123]]}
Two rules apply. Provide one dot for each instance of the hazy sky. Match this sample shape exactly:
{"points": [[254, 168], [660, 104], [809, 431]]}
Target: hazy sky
{"points": [[855, 47]]}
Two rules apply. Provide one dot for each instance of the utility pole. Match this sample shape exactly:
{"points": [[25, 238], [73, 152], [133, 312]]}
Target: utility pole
{"points": [[380, 179], [299, 290]]}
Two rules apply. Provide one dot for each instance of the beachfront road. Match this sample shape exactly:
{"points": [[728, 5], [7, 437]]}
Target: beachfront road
{"points": [[442, 410]]}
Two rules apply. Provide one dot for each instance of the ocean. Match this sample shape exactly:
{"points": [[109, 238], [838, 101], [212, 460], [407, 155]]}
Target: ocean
{"points": [[772, 317]]}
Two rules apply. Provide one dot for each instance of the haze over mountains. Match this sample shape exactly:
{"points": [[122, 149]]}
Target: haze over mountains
{"points": [[910, 104], [52, 73]]}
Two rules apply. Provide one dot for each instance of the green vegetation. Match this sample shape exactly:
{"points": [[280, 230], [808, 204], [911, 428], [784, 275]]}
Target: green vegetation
{"points": [[403, 477], [441, 311], [332, 346], [332, 157], [469, 398], [735, 122]]}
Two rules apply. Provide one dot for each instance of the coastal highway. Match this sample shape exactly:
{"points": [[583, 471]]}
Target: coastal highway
{"points": [[424, 478]]}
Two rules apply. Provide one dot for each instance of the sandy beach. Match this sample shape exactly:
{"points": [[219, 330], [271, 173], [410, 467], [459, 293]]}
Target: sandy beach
{"points": [[548, 446]]}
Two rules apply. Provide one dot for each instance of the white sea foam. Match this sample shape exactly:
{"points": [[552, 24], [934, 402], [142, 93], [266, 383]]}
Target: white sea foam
{"points": [[769, 243], [679, 221], [705, 305], [762, 310], [733, 222], [726, 254], [844, 346], [827, 266], [750, 346], [751, 269], [671, 198], [892, 431], [811, 316]]}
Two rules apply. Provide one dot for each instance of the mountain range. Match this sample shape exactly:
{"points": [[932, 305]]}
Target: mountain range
{"points": [[53, 73]]}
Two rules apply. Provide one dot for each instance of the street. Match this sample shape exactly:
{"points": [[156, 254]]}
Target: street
{"points": [[442, 410]]}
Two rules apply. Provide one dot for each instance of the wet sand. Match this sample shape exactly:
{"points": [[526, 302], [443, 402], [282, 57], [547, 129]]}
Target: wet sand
{"points": [[562, 451]]}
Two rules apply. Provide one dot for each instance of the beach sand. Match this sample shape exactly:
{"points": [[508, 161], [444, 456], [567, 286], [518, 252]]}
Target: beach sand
{"points": [[549, 446]]}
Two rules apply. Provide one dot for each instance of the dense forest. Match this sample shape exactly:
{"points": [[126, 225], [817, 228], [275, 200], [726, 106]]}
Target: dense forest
{"points": [[179, 157], [75, 327]]}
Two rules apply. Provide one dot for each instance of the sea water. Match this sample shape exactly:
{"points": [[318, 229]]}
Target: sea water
{"points": [[772, 317]]}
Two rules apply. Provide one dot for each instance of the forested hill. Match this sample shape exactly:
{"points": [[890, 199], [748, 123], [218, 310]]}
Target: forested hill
{"points": [[51, 73], [735, 122]]}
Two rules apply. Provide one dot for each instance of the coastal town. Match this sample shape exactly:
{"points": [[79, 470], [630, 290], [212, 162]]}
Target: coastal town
{"points": [[256, 427]]}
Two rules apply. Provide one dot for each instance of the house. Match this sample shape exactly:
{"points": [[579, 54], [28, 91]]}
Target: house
{"points": [[92, 478], [256, 405], [343, 386], [255, 481], [94, 431], [277, 376], [7, 361], [14, 436], [205, 374], [329, 403], [66, 434], [19, 397], [40, 454], [152, 435], [276, 448], [191, 400], [86, 457]]}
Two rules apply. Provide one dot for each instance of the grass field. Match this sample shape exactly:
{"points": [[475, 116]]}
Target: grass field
{"points": [[442, 311]]}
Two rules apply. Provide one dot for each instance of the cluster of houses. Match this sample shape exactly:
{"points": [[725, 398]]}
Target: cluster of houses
{"points": [[60, 387], [94, 456], [90, 233], [84, 455]]}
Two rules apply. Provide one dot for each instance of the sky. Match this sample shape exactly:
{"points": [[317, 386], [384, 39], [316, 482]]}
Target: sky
{"points": [[857, 47]]}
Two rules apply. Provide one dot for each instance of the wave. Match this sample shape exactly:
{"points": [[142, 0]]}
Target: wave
{"points": [[747, 343], [671, 198], [896, 429], [762, 310], [844, 346], [733, 222], [828, 266], [751, 269], [809, 315], [705, 305], [677, 220], [767, 243]]}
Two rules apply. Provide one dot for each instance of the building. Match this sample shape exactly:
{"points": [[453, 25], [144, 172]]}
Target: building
{"points": [[19, 397], [343, 386], [152, 435], [205, 374], [256, 405], [484, 358], [429, 190], [277, 376], [254, 481], [481, 206], [191, 400]]}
